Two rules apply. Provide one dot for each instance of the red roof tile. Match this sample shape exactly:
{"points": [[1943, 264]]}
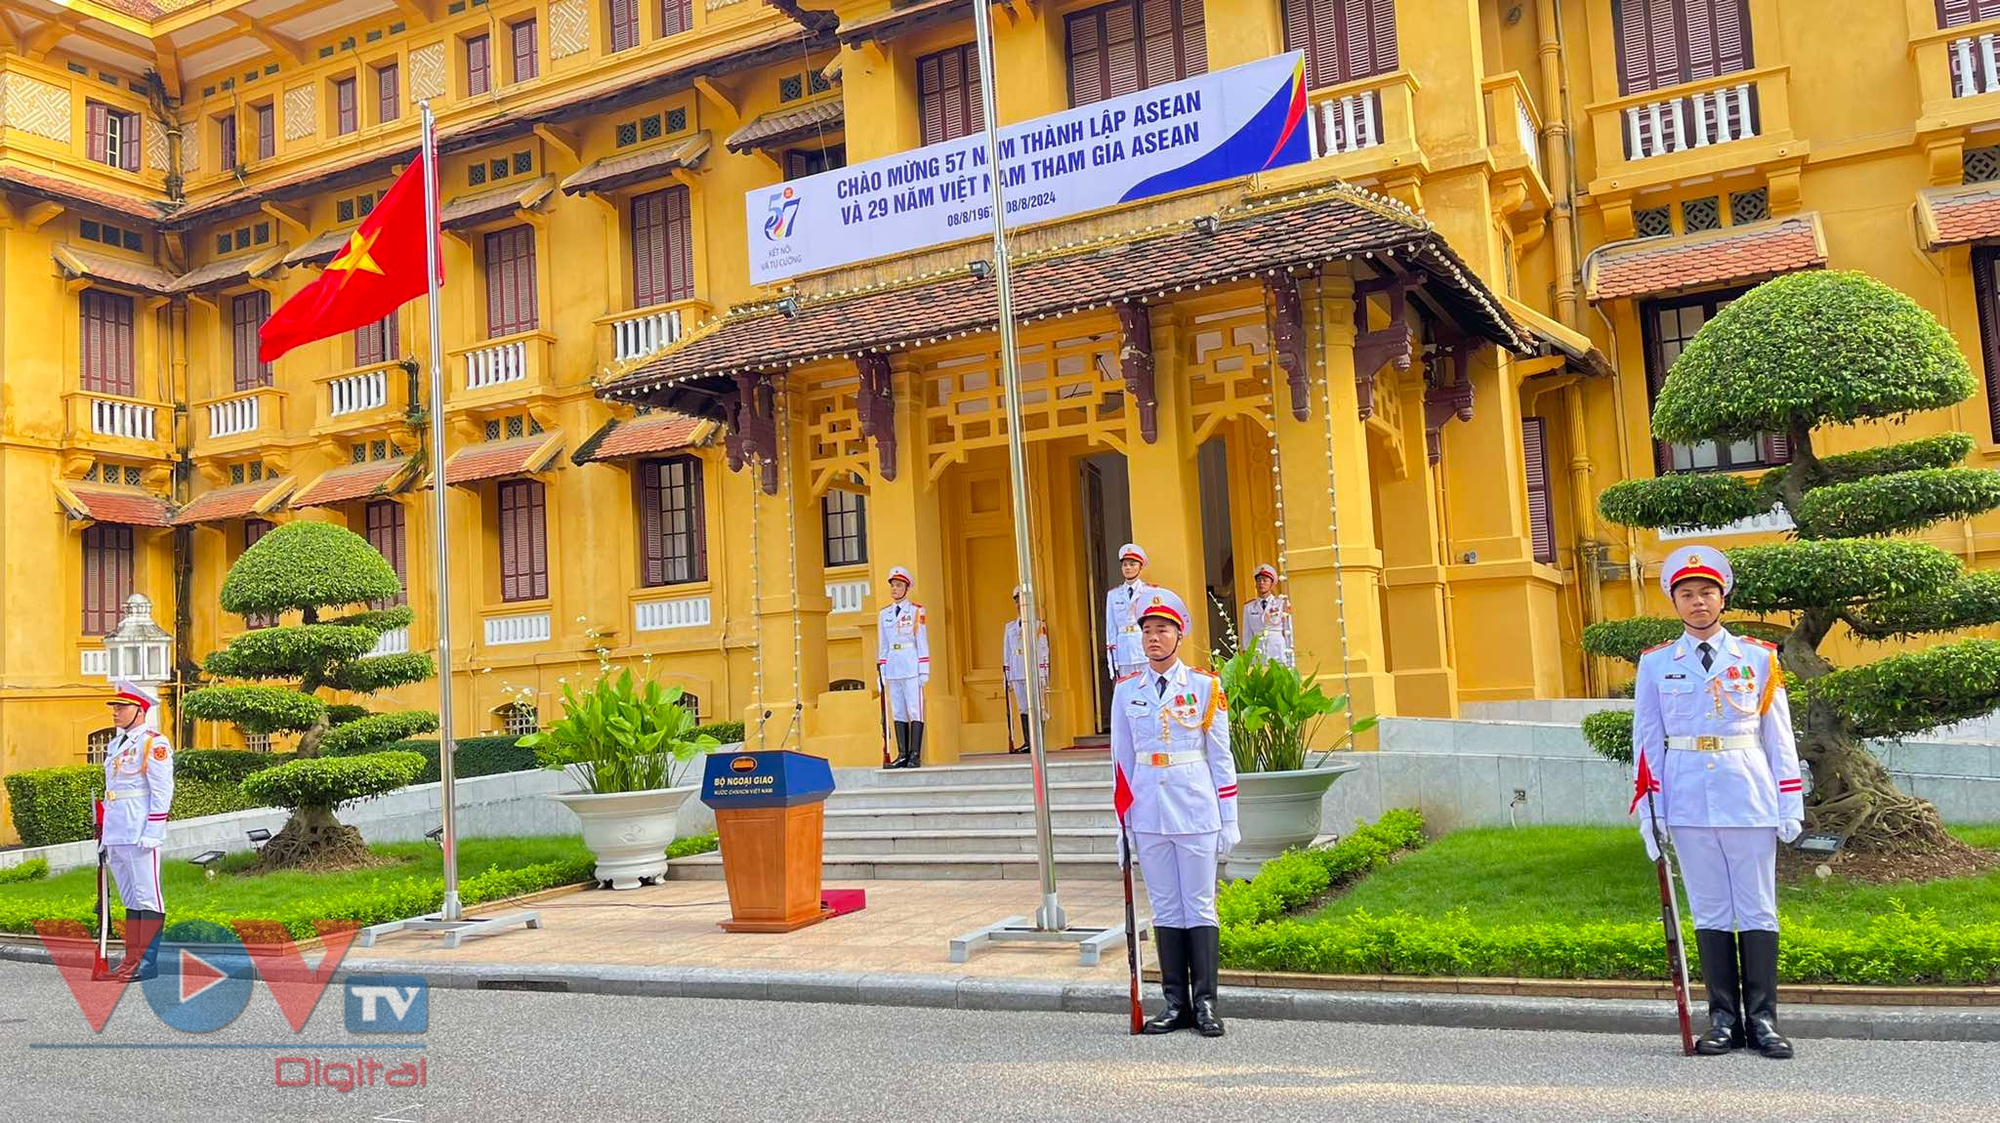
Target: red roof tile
{"points": [[355, 481], [782, 126], [517, 456], [1961, 216], [122, 506], [114, 270], [646, 435], [1738, 254], [614, 172], [60, 190], [471, 210], [235, 502], [901, 18], [1302, 231]]}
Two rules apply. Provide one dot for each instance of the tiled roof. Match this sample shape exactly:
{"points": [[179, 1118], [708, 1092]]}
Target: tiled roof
{"points": [[1739, 253], [235, 502], [1296, 232], [1954, 216], [901, 18], [471, 210], [114, 270], [321, 249], [227, 270], [647, 435], [782, 126], [241, 200], [1555, 338], [614, 172], [518, 456], [355, 481], [123, 506], [60, 190]]}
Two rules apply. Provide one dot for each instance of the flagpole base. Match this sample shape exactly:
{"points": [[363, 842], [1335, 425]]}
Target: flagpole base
{"points": [[454, 930], [1090, 942]]}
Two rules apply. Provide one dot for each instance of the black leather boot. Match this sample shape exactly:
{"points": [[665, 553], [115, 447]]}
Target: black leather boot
{"points": [[1205, 961], [1172, 945], [916, 745], [151, 924], [902, 746], [1024, 746], [1760, 994], [1725, 1008]]}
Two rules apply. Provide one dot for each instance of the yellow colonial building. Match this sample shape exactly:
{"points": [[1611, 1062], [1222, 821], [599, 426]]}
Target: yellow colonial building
{"points": [[1401, 372]]}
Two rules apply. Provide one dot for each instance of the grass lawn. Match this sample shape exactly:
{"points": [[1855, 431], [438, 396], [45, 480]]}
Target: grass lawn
{"points": [[1506, 876]]}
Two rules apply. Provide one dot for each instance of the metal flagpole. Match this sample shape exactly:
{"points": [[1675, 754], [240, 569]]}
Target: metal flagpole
{"points": [[450, 919], [1050, 923]]}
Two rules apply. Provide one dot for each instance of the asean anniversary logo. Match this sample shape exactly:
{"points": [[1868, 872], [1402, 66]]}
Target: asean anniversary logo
{"points": [[782, 215]]}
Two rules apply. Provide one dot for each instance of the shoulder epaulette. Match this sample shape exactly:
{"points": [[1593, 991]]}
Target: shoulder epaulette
{"points": [[1127, 678], [1657, 647], [1763, 643], [1204, 673]]}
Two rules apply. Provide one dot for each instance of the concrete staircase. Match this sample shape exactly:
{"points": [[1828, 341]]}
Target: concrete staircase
{"points": [[972, 821]]}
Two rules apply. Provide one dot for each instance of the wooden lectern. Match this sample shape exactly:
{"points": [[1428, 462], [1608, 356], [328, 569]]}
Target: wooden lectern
{"points": [[770, 816]]}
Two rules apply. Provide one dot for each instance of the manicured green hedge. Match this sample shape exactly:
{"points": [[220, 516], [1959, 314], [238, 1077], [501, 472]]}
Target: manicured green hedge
{"points": [[333, 781], [724, 732], [208, 797], [34, 869], [1609, 734], [376, 732], [223, 766], [474, 756], [52, 805], [693, 844], [1297, 876]]}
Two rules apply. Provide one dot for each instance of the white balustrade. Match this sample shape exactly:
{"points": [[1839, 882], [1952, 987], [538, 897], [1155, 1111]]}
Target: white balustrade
{"points": [[642, 334], [1975, 65], [1349, 124], [847, 596], [96, 664], [110, 417], [680, 612], [233, 417], [1531, 137], [1691, 121], [496, 364], [363, 390], [528, 627], [1775, 521], [395, 641]]}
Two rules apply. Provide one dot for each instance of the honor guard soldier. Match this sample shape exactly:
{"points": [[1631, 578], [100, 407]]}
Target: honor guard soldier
{"points": [[1268, 619], [138, 790], [1170, 743], [1124, 653], [1016, 673], [1712, 719], [903, 662]]}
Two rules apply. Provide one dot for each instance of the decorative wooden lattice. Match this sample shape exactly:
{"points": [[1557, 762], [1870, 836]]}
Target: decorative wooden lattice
{"points": [[1070, 387], [835, 444], [1228, 366]]}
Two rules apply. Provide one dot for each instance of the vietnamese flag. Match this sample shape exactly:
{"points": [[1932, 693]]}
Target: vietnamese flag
{"points": [[1645, 785], [379, 270]]}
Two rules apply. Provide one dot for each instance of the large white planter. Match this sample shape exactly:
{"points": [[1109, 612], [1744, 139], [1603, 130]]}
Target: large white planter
{"points": [[627, 831], [1277, 811]]}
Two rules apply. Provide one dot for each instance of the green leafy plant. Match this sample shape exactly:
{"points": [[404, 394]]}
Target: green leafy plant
{"points": [[333, 782], [271, 679], [34, 869], [615, 737], [1296, 877], [1274, 712], [1804, 351]]}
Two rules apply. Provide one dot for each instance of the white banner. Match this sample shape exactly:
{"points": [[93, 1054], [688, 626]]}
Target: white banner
{"points": [[1204, 130]]}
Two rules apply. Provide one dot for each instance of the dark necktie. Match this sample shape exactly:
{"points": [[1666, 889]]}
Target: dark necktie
{"points": [[1707, 655], [1160, 686]]}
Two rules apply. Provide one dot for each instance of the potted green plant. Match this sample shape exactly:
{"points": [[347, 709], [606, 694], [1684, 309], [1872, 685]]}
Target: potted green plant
{"points": [[627, 747], [1274, 715]]}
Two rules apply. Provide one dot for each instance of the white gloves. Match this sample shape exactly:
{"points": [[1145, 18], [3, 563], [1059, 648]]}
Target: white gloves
{"points": [[152, 843], [1652, 844], [923, 681], [1789, 829], [1231, 835]]}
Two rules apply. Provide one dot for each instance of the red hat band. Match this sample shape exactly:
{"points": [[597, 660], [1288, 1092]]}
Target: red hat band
{"points": [[1705, 572], [1165, 612]]}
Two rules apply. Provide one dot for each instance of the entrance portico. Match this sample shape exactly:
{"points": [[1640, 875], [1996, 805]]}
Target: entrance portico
{"points": [[1195, 381]]}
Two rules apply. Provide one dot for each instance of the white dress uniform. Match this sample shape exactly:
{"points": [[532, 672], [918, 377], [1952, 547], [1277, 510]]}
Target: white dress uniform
{"points": [[1713, 722], [1268, 620], [1124, 652], [1170, 742], [1015, 672], [138, 790], [903, 659]]}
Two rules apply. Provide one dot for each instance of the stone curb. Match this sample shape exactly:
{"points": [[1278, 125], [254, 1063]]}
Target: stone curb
{"points": [[965, 992]]}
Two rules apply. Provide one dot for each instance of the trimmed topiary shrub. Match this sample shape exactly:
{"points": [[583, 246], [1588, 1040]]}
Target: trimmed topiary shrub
{"points": [[52, 805], [223, 766], [724, 732], [330, 783], [474, 756], [1795, 354]]}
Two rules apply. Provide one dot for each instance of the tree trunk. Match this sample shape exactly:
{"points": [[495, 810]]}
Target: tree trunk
{"points": [[314, 840], [1854, 797]]}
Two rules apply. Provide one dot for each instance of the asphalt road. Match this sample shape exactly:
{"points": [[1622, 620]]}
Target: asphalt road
{"points": [[511, 1055]]}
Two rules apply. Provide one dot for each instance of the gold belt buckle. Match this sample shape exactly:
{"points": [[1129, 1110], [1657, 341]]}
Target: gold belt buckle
{"points": [[1708, 743], [109, 796], [1160, 760]]}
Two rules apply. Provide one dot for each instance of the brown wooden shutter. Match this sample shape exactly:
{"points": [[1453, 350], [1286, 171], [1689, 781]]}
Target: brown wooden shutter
{"points": [[344, 109], [527, 64], [225, 129], [652, 519], [1631, 25], [1159, 42], [388, 96], [624, 24], [1541, 523], [697, 517], [1986, 295], [106, 342], [1193, 21], [1958, 13], [1344, 40], [524, 559], [107, 576], [386, 534], [510, 282], [96, 127], [128, 143], [1715, 39], [267, 132], [676, 16], [247, 314], [377, 342], [254, 529], [1121, 50], [1085, 32], [1656, 377], [680, 245], [478, 65], [649, 251]]}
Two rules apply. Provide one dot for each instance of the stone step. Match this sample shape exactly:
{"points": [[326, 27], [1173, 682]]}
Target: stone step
{"points": [[957, 775], [951, 795], [838, 867], [1086, 840], [1010, 817]]}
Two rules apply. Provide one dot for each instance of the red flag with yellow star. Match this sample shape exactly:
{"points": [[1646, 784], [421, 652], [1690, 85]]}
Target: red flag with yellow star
{"points": [[379, 269]]}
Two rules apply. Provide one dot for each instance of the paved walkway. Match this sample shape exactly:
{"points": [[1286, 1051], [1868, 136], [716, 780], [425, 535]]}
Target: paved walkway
{"points": [[905, 930]]}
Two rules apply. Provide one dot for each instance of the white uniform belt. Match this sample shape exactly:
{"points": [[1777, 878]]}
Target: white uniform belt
{"points": [[127, 793], [1167, 760], [1710, 743]]}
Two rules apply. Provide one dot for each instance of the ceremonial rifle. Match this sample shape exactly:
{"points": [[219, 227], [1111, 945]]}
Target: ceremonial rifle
{"points": [[102, 967], [882, 688], [1670, 910], [1007, 719], [1121, 801]]}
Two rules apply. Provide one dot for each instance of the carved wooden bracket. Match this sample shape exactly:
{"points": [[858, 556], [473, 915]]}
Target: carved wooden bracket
{"points": [[1135, 363], [1376, 348], [1288, 340], [753, 429], [1443, 402], [875, 404]]}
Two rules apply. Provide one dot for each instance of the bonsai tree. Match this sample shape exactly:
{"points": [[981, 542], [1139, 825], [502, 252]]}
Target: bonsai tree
{"points": [[1795, 355], [272, 679], [618, 738]]}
